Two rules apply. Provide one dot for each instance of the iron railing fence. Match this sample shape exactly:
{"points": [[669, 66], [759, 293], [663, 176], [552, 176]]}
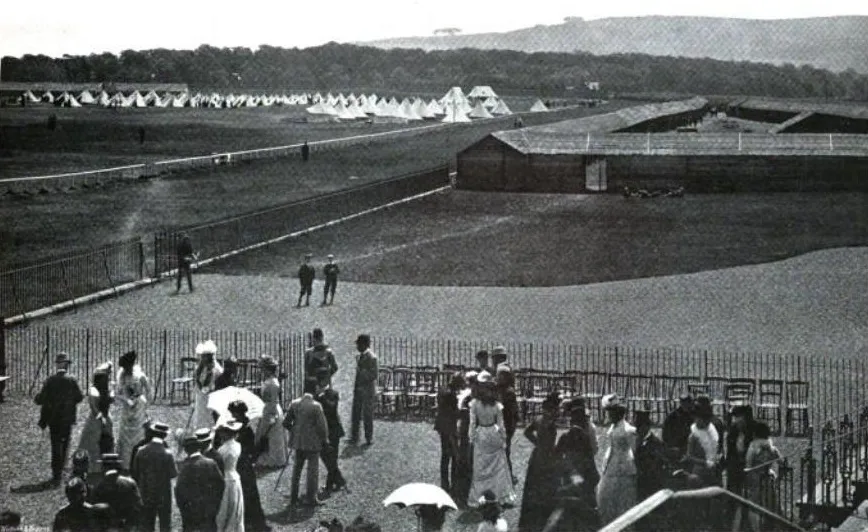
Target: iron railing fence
{"points": [[41, 285], [229, 235]]}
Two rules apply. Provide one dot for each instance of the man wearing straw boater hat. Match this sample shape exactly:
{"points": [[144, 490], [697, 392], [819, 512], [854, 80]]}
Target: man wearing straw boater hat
{"points": [[120, 492], [59, 400]]}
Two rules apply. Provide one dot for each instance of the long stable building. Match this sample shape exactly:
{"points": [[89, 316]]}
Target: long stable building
{"points": [[604, 152]]}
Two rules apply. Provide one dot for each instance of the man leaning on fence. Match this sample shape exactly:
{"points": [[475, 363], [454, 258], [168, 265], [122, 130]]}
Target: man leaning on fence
{"points": [[186, 256]]}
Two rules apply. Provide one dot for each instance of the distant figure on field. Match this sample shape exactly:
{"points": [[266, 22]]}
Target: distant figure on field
{"points": [[141, 135], [331, 272], [186, 256], [305, 152], [306, 275]]}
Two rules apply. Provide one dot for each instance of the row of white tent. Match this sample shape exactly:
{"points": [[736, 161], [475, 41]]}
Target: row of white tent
{"points": [[454, 106]]}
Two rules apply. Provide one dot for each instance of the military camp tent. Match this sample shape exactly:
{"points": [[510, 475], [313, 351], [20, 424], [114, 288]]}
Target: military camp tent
{"points": [[479, 111], [482, 92], [538, 106], [501, 109]]}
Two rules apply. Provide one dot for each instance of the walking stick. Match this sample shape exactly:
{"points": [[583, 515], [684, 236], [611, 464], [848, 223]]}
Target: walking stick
{"points": [[280, 476]]}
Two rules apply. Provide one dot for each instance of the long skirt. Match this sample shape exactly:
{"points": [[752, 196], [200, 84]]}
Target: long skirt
{"points": [[490, 468], [92, 436], [615, 495], [130, 430], [541, 484], [202, 418], [230, 516], [277, 453]]}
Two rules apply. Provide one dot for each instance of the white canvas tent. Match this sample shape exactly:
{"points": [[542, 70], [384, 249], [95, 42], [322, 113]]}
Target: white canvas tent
{"points": [[29, 97], [181, 100], [421, 109], [490, 103], [501, 109], [409, 111], [48, 97], [538, 107], [454, 115], [435, 107], [86, 97], [482, 92], [479, 111]]}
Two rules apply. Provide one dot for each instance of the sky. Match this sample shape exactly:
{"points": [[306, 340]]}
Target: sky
{"points": [[59, 27]]}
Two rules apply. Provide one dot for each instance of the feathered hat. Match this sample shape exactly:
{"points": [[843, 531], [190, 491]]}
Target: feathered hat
{"points": [[208, 347]]}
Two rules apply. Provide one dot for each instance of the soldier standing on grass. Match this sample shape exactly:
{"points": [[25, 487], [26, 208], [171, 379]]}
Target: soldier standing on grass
{"points": [[306, 275], [331, 272], [186, 256]]}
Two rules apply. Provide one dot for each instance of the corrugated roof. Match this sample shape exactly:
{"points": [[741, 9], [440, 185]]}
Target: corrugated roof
{"points": [[845, 110], [623, 118], [564, 143]]}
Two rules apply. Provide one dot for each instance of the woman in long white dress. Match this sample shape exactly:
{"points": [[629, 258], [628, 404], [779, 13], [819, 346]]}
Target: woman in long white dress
{"points": [[270, 428], [206, 375], [133, 389], [488, 437], [230, 516], [97, 436], [616, 492]]}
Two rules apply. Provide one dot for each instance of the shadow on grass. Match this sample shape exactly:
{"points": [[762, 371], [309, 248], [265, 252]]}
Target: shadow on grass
{"points": [[352, 451], [37, 487], [468, 517], [292, 515]]}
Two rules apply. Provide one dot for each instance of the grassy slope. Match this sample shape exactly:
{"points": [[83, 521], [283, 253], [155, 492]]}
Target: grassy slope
{"points": [[480, 239], [56, 223]]}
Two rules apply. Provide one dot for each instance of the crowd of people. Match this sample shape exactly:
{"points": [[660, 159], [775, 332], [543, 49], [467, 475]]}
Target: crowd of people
{"points": [[122, 475]]}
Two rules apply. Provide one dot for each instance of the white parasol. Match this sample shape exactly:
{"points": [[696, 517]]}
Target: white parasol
{"points": [[219, 402]]}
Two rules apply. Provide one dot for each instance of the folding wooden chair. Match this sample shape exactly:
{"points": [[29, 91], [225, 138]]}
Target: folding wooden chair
{"points": [[797, 421], [188, 366], [768, 408], [421, 391], [595, 386], [717, 392]]}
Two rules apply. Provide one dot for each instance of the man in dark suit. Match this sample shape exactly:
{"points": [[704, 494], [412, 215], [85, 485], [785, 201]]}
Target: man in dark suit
{"points": [[153, 470], [59, 400], [306, 275], [308, 433], [446, 425], [79, 515], [331, 271], [199, 489], [120, 493], [329, 399], [676, 427], [365, 390], [209, 447], [186, 256], [508, 398], [149, 435]]}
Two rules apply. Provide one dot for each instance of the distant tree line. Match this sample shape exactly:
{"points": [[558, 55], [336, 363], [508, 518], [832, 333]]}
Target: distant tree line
{"points": [[348, 67]]}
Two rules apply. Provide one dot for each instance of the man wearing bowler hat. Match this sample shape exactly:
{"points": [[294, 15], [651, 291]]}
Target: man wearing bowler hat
{"points": [[306, 275], [59, 400], [153, 470], [331, 271], [120, 493], [199, 489]]}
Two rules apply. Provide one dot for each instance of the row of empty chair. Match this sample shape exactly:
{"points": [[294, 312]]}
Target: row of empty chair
{"points": [[412, 391]]}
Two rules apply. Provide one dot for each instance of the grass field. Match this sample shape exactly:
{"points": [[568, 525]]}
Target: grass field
{"points": [[57, 223], [90, 138], [463, 238]]}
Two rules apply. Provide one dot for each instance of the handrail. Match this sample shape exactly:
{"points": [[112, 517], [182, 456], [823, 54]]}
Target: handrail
{"points": [[655, 501]]}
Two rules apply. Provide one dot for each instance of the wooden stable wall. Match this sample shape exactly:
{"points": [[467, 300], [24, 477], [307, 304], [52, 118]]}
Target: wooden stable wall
{"points": [[494, 166], [735, 173]]}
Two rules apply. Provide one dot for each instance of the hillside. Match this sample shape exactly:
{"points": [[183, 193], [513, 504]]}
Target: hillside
{"points": [[833, 43]]}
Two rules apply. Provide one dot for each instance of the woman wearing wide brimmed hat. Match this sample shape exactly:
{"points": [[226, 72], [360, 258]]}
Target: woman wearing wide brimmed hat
{"points": [[488, 437], [133, 388], [205, 379], [616, 492], [270, 434], [97, 435]]}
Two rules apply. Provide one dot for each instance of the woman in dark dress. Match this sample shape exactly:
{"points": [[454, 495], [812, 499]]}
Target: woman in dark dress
{"points": [[464, 461], [254, 516], [543, 479]]}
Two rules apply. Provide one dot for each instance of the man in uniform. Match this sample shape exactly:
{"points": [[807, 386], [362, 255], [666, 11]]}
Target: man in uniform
{"points": [[331, 272], [365, 393], [306, 275], [59, 400], [319, 356]]}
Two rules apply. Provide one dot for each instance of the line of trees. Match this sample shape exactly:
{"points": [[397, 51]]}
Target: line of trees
{"points": [[349, 67]]}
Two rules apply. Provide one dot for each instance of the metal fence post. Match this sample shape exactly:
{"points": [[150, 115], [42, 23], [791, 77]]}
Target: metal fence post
{"points": [[87, 371], [141, 248]]}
